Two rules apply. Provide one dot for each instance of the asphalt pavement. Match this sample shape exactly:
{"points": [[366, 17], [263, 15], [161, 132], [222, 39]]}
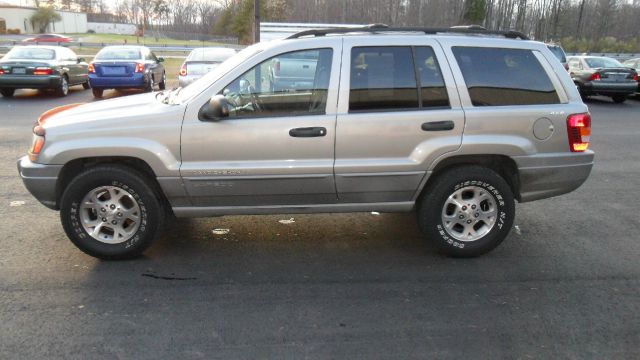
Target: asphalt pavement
{"points": [[564, 285]]}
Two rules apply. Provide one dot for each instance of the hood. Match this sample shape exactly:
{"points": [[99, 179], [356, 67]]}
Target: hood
{"points": [[119, 112]]}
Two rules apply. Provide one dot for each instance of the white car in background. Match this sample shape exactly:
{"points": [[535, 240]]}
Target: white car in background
{"points": [[200, 61]]}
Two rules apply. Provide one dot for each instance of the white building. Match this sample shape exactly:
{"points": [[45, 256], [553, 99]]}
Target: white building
{"points": [[16, 17]]}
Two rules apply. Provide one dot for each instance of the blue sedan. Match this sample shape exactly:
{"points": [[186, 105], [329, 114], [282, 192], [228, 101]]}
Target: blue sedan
{"points": [[126, 67]]}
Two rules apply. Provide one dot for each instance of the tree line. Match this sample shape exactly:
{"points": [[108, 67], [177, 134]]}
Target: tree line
{"points": [[579, 25]]}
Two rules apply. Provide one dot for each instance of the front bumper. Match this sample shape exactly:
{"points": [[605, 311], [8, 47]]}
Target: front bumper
{"points": [[29, 81], [546, 175], [138, 80], [40, 180]]}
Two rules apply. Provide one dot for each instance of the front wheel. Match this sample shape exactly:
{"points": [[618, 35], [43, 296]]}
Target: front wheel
{"points": [[618, 99], [467, 211], [86, 85], [111, 212]]}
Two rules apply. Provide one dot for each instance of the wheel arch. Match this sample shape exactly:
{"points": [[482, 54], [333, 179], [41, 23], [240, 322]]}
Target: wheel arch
{"points": [[501, 164], [74, 167]]}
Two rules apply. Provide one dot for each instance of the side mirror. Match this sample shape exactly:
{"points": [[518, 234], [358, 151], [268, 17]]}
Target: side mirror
{"points": [[81, 60], [160, 59], [216, 109]]}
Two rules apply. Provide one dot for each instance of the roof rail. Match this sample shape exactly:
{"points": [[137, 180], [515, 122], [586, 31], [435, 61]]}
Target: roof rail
{"points": [[379, 28]]}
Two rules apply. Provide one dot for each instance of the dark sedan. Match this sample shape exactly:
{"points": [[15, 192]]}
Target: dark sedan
{"points": [[42, 67], [599, 75]]}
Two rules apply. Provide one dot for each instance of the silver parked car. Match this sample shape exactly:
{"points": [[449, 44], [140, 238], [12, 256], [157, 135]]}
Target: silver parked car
{"points": [[201, 61], [456, 128]]}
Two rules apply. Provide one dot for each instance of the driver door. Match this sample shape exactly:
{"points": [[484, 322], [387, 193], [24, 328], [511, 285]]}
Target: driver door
{"points": [[276, 147]]}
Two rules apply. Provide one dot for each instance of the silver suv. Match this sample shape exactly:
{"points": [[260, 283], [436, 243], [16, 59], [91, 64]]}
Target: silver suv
{"points": [[452, 124]]}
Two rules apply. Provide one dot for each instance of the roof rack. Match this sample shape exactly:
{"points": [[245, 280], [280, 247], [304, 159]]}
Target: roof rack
{"points": [[379, 28]]}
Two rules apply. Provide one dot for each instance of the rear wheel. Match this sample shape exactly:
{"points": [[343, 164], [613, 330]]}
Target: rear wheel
{"points": [[97, 93], [163, 84], [63, 88], [619, 99], [467, 211], [7, 92], [148, 85], [111, 212]]}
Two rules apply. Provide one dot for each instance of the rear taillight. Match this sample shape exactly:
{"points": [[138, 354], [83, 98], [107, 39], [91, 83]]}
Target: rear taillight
{"points": [[37, 143], [42, 71], [579, 131], [1, 71], [595, 77], [183, 70], [635, 77], [139, 67], [92, 69]]}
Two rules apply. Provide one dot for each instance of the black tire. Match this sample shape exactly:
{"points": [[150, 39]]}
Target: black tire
{"points": [[148, 85], [63, 88], [7, 92], [432, 207], [86, 85], [618, 99], [97, 93], [163, 84], [150, 216]]}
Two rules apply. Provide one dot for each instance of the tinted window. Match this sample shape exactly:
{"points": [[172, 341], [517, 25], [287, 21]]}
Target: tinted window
{"points": [[602, 62], [504, 77], [432, 89], [288, 84], [382, 78], [119, 54]]}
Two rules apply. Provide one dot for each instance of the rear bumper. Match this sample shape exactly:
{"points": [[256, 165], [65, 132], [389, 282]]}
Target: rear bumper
{"points": [[601, 88], [29, 81], [40, 180], [546, 175], [112, 82]]}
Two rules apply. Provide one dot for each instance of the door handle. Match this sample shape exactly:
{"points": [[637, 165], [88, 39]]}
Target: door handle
{"points": [[308, 132], [438, 125]]}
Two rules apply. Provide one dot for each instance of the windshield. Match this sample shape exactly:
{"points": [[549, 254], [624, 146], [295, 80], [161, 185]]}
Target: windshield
{"points": [[119, 54], [602, 62], [31, 53], [204, 82], [215, 54]]}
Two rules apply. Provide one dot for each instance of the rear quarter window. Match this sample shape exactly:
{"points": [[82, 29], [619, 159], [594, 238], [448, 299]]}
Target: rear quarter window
{"points": [[500, 77]]}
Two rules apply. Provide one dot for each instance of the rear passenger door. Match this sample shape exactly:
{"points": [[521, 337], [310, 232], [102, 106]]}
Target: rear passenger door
{"points": [[398, 112]]}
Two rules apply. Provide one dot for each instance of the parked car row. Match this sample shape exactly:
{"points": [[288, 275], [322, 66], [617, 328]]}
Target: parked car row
{"points": [[57, 68]]}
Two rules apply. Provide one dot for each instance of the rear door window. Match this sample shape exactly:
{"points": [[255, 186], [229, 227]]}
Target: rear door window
{"points": [[382, 78], [433, 92], [499, 77]]}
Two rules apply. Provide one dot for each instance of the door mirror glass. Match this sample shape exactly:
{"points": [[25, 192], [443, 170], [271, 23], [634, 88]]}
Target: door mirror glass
{"points": [[215, 109], [160, 59]]}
